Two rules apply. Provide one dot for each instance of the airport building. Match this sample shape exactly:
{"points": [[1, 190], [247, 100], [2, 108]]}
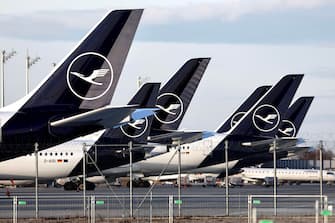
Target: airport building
{"points": [[301, 164]]}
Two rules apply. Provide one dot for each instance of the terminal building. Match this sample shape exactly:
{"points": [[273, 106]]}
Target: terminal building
{"points": [[301, 164]]}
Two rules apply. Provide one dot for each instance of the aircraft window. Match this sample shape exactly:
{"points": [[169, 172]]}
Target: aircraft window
{"points": [[330, 173], [45, 154], [71, 154], [55, 154], [40, 154], [61, 154], [188, 147], [66, 154], [50, 154]]}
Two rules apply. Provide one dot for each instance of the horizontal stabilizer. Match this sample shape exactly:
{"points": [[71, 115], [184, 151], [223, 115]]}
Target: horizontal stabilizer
{"points": [[137, 114], [107, 117], [296, 150], [281, 142]]}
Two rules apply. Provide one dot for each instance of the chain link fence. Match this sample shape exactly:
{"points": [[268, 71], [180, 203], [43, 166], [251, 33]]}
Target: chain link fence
{"points": [[157, 208]]}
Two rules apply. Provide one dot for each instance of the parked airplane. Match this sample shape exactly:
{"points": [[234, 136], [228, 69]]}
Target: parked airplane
{"points": [[266, 175], [61, 160], [286, 146], [74, 99], [293, 120]]}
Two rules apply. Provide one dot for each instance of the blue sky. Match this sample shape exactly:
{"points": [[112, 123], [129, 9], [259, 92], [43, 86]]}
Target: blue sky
{"points": [[251, 43]]}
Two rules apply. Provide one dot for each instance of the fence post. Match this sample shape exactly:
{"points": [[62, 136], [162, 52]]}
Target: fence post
{"points": [[150, 207], [325, 207], [316, 211], [15, 209], [170, 209], [254, 215], [92, 209], [249, 208]]}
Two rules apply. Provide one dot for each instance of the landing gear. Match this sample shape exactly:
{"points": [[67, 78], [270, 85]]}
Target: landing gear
{"points": [[78, 186], [70, 186], [139, 183]]}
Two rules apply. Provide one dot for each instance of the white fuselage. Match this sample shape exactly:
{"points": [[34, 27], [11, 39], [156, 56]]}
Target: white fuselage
{"points": [[192, 154], [302, 175], [55, 162]]}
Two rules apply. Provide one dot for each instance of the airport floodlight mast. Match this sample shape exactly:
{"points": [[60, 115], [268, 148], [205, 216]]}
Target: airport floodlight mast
{"points": [[4, 58], [29, 62]]}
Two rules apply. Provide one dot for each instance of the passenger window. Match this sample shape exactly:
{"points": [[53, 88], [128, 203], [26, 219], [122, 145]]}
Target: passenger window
{"points": [[50, 154]]}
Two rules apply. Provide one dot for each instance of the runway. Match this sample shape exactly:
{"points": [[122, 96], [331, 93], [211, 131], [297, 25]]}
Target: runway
{"points": [[196, 201]]}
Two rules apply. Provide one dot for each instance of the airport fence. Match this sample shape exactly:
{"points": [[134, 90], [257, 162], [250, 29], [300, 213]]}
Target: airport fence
{"points": [[270, 207], [164, 207]]}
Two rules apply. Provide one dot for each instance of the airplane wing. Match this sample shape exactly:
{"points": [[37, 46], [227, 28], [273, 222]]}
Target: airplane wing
{"points": [[283, 142], [107, 117], [294, 151], [167, 137]]}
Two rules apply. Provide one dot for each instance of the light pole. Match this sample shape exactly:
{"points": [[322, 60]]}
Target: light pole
{"points": [[29, 62], [275, 177], [4, 57], [36, 180], [84, 177], [179, 178], [177, 142], [227, 177], [321, 174], [130, 145]]}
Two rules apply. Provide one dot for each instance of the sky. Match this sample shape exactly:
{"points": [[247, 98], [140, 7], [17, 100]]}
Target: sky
{"points": [[251, 43]]}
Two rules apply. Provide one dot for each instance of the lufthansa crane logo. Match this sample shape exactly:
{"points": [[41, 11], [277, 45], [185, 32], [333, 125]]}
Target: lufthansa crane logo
{"points": [[171, 108], [90, 70], [236, 118], [287, 129], [136, 128], [266, 118]]}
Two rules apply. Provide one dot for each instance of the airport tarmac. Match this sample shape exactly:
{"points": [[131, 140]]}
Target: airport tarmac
{"points": [[303, 189], [196, 201]]}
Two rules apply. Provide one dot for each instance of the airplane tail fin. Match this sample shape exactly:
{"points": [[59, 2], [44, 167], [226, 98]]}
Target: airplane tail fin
{"points": [[264, 117], [291, 123], [87, 77], [176, 95], [136, 131], [247, 104]]}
